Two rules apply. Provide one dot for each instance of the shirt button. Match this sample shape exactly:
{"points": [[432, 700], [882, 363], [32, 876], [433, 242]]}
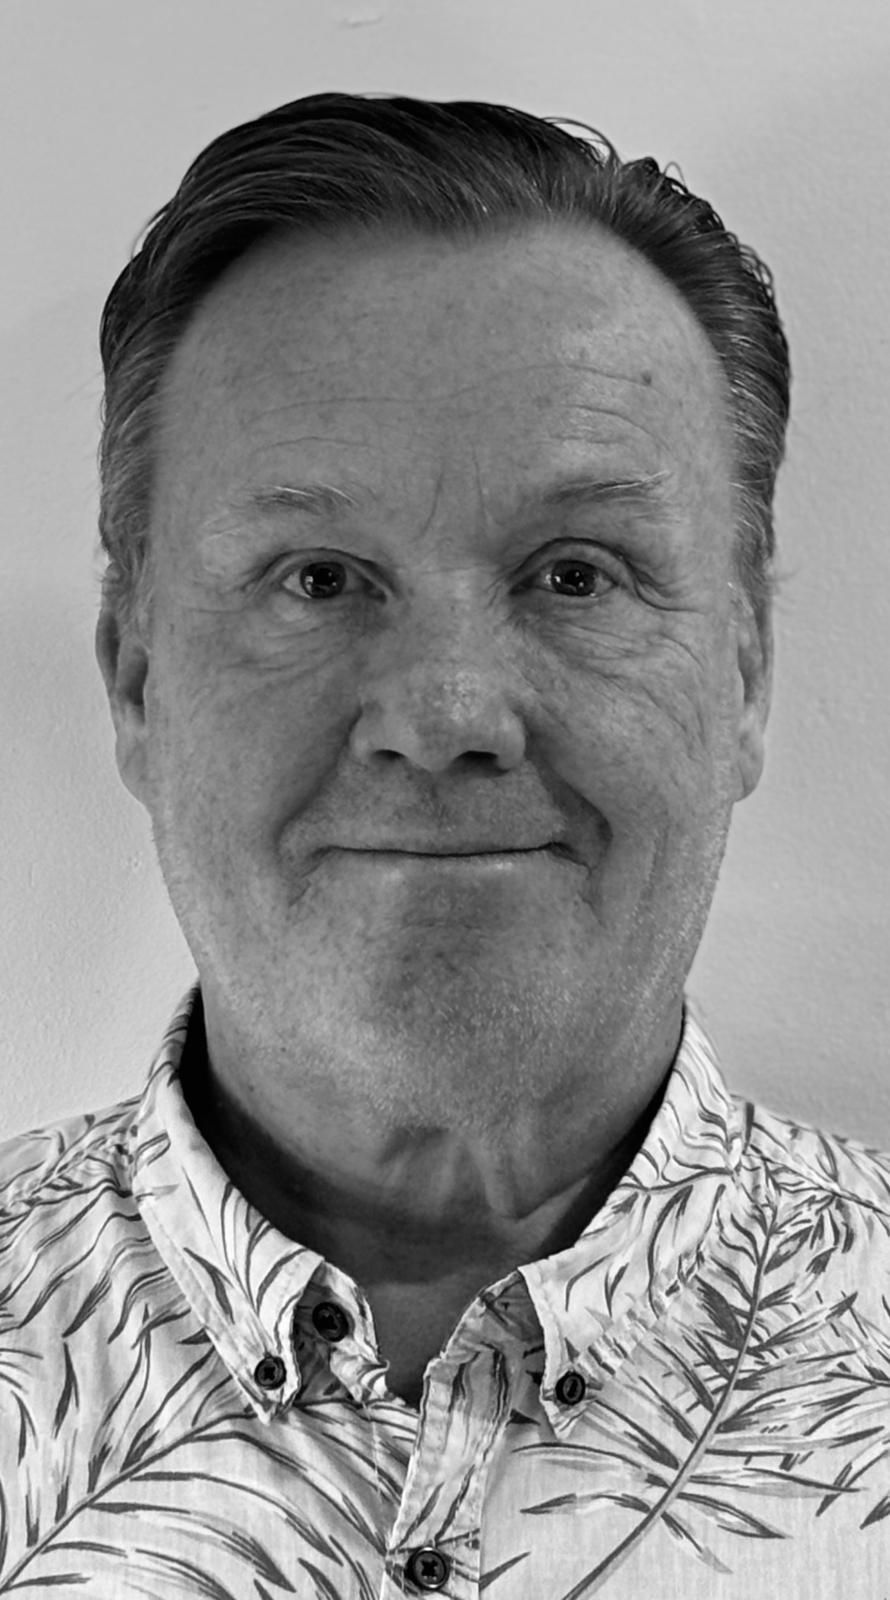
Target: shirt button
{"points": [[571, 1388], [428, 1568], [331, 1321], [270, 1372]]}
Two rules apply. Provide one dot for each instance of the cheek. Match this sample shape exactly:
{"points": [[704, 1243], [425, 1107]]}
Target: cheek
{"points": [[685, 690], [643, 746], [247, 761]]}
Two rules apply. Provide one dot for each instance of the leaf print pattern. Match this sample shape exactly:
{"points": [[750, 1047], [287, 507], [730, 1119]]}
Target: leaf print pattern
{"points": [[728, 1310]]}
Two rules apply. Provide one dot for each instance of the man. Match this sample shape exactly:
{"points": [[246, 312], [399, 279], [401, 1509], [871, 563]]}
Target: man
{"points": [[435, 1254]]}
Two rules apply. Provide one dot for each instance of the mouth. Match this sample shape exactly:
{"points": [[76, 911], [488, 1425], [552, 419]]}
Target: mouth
{"points": [[467, 855], [478, 858]]}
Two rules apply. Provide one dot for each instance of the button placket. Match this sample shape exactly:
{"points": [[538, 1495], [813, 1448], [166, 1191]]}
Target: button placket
{"points": [[451, 1461]]}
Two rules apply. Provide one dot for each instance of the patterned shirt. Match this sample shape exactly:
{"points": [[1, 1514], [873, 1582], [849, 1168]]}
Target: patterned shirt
{"points": [[690, 1403]]}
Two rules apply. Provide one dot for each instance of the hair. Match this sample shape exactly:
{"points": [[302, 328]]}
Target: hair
{"points": [[461, 169]]}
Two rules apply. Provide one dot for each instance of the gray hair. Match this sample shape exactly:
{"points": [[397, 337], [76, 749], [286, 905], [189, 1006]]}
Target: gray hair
{"points": [[463, 169]]}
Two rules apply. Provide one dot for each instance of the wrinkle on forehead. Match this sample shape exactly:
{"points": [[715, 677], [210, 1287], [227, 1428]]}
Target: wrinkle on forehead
{"points": [[606, 287], [624, 360]]}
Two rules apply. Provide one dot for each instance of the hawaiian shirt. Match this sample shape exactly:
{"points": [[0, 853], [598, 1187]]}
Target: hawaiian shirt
{"points": [[692, 1402]]}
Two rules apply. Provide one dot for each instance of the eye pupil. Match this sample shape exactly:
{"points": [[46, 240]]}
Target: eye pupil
{"points": [[578, 573], [311, 584]]}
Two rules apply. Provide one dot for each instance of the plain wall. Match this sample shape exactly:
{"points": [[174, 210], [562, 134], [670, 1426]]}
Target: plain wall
{"points": [[777, 111]]}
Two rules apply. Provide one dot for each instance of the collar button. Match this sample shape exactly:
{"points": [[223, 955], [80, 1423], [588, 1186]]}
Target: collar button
{"points": [[270, 1372], [571, 1388], [331, 1321], [428, 1569]]}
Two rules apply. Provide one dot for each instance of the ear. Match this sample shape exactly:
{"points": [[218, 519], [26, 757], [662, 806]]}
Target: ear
{"points": [[124, 663], [755, 668]]}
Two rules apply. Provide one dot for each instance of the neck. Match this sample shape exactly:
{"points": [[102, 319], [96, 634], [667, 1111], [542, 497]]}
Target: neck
{"points": [[441, 1212]]}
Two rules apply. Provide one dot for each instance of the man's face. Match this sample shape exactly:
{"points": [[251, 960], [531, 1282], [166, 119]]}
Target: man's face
{"points": [[453, 661]]}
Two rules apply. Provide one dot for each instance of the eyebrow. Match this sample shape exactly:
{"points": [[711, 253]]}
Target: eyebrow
{"points": [[648, 493]]}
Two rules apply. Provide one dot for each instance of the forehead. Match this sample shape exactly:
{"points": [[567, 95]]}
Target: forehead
{"points": [[486, 356]]}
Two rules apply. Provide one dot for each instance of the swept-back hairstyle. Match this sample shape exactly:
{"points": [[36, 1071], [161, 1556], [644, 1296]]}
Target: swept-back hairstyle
{"points": [[461, 168]]}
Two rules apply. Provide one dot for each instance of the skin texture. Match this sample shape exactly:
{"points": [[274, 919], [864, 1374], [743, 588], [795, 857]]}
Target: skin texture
{"points": [[432, 1076]]}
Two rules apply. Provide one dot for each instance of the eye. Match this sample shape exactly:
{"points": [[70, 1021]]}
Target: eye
{"points": [[311, 590], [577, 572], [570, 574]]}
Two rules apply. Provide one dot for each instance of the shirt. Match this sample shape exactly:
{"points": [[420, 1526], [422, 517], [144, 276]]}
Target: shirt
{"points": [[690, 1403]]}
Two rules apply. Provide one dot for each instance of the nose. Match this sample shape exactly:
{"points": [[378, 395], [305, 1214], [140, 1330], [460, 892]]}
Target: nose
{"points": [[437, 737], [437, 702]]}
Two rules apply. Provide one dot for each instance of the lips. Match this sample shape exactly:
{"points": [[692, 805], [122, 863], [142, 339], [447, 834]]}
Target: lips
{"points": [[486, 848]]}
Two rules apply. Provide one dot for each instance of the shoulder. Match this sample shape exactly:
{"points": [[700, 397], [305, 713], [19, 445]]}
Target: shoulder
{"points": [[814, 1208], [64, 1155], [800, 1155]]}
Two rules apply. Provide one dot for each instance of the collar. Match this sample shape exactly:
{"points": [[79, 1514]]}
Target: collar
{"points": [[241, 1275], [594, 1301], [598, 1299]]}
